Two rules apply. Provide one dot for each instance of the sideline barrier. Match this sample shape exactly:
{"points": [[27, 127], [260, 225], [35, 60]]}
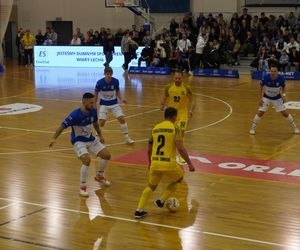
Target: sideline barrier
{"points": [[149, 70], [223, 73], [257, 75]]}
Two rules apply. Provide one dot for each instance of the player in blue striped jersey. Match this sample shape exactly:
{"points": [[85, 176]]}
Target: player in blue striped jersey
{"points": [[109, 91], [273, 91], [80, 121]]}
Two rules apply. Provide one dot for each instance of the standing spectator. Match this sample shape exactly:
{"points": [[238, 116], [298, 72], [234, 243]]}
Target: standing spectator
{"points": [[173, 58], [28, 42], [40, 38], [162, 48], [118, 37], [19, 45], [173, 26], [53, 37], [97, 39], [200, 20], [235, 27], [80, 35], [283, 61], [135, 33], [88, 40], [75, 40], [108, 49], [246, 17], [291, 19], [263, 19], [199, 50], [147, 38], [145, 56], [184, 47], [243, 31], [294, 58], [125, 49], [235, 17], [204, 29], [142, 34]]}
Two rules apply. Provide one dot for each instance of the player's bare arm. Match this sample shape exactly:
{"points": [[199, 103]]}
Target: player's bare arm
{"points": [[96, 93], [192, 105], [283, 94], [98, 130], [120, 97], [163, 102], [149, 153], [183, 153], [58, 132]]}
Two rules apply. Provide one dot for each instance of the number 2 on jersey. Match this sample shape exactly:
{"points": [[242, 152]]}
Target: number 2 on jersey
{"points": [[161, 140]]}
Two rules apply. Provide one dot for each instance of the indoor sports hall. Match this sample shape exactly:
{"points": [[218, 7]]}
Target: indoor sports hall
{"points": [[245, 191]]}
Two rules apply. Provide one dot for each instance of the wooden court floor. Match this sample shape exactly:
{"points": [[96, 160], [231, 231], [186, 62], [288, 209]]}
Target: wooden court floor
{"points": [[39, 203]]}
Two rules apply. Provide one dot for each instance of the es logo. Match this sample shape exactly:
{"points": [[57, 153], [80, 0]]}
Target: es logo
{"points": [[42, 53]]}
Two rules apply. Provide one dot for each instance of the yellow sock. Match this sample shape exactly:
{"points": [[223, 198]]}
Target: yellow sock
{"points": [[170, 189], [144, 198]]}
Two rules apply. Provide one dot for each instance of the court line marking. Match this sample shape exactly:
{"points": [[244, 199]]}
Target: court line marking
{"points": [[154, 224], [9, 205], [142, 140]]}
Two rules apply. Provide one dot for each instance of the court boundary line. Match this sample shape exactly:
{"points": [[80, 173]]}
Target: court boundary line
{"points": [[153, 224]]}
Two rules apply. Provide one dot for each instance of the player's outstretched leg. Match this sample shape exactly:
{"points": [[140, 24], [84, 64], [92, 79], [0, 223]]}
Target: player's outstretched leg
{"points": [[139, 212], [124, 128], [291, 121]]}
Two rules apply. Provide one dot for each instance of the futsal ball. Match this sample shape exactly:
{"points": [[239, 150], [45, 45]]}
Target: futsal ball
{"points": [[172, 204]]}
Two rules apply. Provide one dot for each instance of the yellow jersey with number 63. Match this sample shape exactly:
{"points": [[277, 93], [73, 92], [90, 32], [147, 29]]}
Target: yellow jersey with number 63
{"points": [[163, 139], [178, 97]]}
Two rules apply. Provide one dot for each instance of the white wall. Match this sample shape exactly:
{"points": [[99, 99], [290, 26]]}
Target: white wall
{"points": [[86, 14]]}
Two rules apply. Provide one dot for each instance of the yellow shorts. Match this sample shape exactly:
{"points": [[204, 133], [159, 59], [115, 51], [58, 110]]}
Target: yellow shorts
{"points": [[182, 121], [173, 175]]}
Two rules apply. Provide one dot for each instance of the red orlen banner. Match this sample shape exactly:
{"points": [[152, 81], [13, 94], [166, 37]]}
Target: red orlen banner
{"points": [[233, 166]]}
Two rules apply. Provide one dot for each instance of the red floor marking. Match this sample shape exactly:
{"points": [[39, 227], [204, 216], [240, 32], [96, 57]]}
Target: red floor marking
{"points": [[233, 166]]}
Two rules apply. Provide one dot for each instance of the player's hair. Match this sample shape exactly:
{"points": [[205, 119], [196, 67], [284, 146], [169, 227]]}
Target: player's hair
{"points": [[170, 112], [108, 70], [179, 71], [88, 95], [274, 66]]}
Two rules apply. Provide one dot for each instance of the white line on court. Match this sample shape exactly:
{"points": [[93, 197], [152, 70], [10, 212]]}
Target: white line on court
{"points": [[9, 205], [154, 224]]}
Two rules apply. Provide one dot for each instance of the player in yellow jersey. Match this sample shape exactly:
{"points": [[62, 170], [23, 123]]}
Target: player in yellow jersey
{"points": [[179, 96], [165, 138]]}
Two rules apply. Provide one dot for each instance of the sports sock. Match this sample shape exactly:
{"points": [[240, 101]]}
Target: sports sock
{"points": [[170, 189], [291, 121], [124, 129], [102, 166], [83, 174], [256, 120], [144, 198]]}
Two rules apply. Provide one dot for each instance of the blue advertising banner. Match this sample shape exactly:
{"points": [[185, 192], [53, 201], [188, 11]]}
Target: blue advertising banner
{"points": [[149, 70], [78, 56], [257, 75], [224, 73]]}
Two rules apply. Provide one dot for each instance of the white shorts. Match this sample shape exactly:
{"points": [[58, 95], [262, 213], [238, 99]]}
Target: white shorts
{"points": [[115, 109], [93, 147], [278, 104]]}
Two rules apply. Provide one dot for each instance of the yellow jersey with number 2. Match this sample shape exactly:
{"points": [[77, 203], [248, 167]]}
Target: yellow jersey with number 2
{"points": [[163, 139]]}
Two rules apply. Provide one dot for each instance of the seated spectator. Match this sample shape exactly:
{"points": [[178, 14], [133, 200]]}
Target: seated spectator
{"points": [[173, 59], [274, 52], [249, 45], [75, 40], [272, 60], [281, 45], [80, 35], [211, 58], [294, 58], [88, 40], [145, 56], [233, 51], [291, 44], [283, 61]]}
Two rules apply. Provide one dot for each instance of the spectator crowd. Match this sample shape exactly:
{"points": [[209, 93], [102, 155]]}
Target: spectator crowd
{"points": [[201, 42]]}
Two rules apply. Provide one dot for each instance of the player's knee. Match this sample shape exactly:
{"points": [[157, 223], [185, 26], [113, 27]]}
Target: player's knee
{"points": [[104, 154], [86, 160], [121, 119], [101, 123], [180, 180], [153, 187]]}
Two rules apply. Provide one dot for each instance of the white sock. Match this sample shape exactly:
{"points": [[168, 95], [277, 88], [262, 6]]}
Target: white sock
{"points": [[102, 166], [83, 174], [124, 128], [291, 121], [256, 120]]}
